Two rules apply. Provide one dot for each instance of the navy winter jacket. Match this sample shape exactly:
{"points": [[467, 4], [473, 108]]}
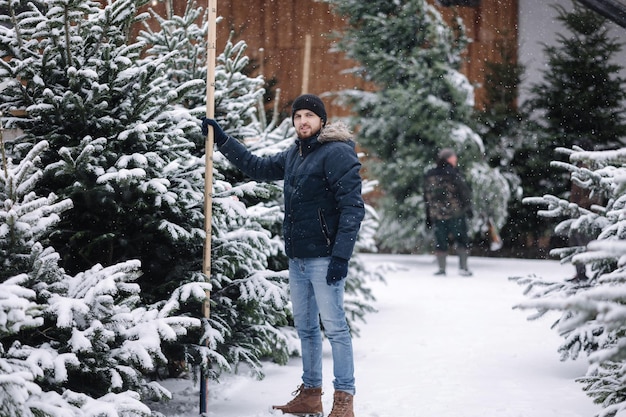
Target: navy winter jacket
{"points": [[322, 190]]}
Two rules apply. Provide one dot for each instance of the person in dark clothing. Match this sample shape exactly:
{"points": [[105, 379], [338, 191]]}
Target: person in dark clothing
{"points": [[583, 198], [448, 206], [323, 213]]}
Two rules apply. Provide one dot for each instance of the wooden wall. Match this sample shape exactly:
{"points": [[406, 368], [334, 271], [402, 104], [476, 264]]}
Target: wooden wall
{"points": [[276, 32]]}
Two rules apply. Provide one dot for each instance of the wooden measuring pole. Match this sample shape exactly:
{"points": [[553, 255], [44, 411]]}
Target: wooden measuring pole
{"points": [[306, 64], [3, 155], [208, 178]]}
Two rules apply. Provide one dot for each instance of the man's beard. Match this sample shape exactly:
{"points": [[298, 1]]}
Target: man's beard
{"points": [[308, 135]]}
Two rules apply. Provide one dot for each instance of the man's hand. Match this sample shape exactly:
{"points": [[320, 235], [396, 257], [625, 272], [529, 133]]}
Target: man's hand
{"points": [[337, 270], [220, 136]]}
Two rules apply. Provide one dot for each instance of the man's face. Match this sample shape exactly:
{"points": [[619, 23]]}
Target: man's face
{"points": [[307, 123]]}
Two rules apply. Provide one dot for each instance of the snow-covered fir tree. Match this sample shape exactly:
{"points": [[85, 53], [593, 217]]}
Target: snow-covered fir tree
{"points": [[118, 144], [73, 345], [592, 313], [580, 99], [421, 103]]}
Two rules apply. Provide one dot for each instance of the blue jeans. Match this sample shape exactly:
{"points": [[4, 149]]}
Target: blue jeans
{"points": [[313, 298]]}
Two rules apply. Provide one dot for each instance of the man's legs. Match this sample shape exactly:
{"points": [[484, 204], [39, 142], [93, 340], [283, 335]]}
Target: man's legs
{"points": [[462, 244], [302, 273], [308, 396], [312, 297], [330, 301], [441, 245]]}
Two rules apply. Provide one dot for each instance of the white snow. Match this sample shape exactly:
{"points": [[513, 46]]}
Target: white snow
{"points": [[437, 347]]}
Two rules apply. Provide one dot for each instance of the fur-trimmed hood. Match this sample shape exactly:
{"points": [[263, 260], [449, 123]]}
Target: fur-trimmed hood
{"points": [[335, 132]]}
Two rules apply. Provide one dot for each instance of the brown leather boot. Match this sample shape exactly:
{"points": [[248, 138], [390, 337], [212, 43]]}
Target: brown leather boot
{"points": [[307, 403], [342, 405]]}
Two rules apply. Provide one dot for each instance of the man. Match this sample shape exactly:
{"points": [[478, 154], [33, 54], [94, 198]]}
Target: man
{"points": [[323, 214], [448, 204]]}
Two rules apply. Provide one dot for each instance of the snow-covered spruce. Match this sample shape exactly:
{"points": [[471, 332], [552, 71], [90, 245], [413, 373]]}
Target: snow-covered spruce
{"points": [[73, 345], [593, 318]]}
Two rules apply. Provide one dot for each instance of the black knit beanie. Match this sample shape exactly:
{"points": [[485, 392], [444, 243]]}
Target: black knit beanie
{"points": [[309, 102]]}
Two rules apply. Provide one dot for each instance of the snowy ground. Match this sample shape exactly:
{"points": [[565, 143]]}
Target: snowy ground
{"points": [[437, 347]]}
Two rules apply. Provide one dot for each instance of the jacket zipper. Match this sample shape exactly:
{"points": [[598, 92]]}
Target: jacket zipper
{"points": [[325, 232]]}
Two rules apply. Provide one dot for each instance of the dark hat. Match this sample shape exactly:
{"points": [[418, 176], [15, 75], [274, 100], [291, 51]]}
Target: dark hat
{"points": [[445, 154], [309, 102]]}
